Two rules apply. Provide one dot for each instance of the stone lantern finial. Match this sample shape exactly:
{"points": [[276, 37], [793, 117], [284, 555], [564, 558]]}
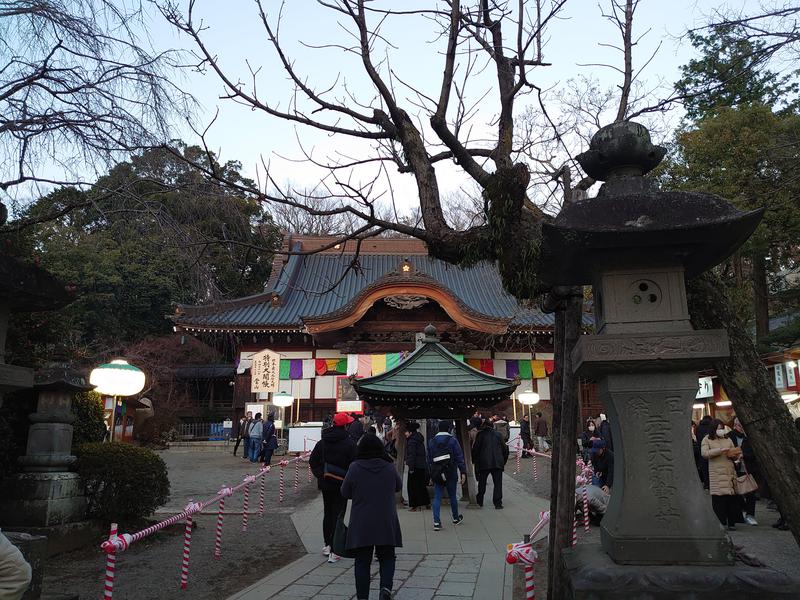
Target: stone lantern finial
{"points": [[621, 150]]}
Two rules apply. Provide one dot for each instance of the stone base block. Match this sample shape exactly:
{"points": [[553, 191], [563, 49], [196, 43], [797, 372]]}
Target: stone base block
{"points": [[594, 576], [69, 536], [34, 549], [41, 499], [662, 550]]}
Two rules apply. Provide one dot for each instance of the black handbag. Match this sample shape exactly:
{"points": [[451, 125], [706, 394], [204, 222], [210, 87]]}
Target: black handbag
{"points": [[339, 545]]}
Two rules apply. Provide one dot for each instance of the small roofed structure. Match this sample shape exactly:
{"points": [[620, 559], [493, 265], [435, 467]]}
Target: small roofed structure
{"points": [[433, 383]]}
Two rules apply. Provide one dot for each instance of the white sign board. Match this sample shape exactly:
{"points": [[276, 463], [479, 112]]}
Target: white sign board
{"points": [[265, 372], [779, 382], [302, 439], [705, 388], [791, 379]]}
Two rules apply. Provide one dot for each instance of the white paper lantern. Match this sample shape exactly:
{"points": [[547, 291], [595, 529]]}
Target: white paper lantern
{"points": [[282, 399], [528, 397], [117, 378]]}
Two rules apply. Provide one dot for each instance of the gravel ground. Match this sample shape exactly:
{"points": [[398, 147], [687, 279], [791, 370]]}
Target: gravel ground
{"points": [[150, 569], [776, 549]]}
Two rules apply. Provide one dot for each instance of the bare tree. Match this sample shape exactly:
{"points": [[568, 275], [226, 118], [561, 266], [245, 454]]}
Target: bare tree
{"points": [[77, 86]]}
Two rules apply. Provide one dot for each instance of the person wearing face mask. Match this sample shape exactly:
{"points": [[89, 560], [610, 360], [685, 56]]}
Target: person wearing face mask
{"points": [[588, 435], [720, 452]]}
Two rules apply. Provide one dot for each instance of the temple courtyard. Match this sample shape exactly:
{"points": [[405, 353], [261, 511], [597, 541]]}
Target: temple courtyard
{"points": [[279, 556]]}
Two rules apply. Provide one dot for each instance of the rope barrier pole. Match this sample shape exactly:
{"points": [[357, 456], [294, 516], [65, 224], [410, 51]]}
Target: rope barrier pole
{"points": [[530, 585], [281, 483], [585, 509], [111, 565], [519, 461], [245, 507], [218, 532], [261, 492], [187, 544], [296, 476], [535, 471], [574, 531]]}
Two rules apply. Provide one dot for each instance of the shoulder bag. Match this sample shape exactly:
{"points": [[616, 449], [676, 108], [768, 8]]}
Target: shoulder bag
{"points": [[744, 484]]}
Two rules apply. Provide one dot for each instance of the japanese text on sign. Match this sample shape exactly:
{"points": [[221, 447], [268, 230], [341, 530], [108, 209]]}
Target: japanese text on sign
{"points": [[265, 372]]}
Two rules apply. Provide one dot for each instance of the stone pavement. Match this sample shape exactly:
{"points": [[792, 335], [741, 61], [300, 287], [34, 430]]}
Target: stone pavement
{"points": [[459, 562]]}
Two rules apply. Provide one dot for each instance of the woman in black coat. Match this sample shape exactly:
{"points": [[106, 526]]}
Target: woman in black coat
{"points": [[371, 483], [417, 463]]}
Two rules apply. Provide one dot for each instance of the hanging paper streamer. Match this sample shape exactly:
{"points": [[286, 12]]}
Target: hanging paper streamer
{"points": [[341, 366], [285, 368], [364, 365], [392, 360], [378, 364], [321, 366], [549, 366], [352, 364], [475, 363], [512, 369], [487, 366], [524, 369], [537, 369], [309, 368], [296, 368]]}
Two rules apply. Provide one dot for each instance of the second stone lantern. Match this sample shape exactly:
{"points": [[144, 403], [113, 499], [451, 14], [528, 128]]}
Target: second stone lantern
{"points": [[636, 245]]}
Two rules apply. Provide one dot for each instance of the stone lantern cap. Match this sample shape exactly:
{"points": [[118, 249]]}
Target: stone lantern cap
{"points": [[631, 220], [60, 378], [28, 288]]}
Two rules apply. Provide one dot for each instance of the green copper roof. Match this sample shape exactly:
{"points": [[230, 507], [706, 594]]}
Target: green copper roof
{"points": [[431, 373]]}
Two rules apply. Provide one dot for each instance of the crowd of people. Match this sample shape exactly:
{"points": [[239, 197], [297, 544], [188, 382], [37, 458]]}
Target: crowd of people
{"points": [[354, 461], [728, 468], [258, 438]]}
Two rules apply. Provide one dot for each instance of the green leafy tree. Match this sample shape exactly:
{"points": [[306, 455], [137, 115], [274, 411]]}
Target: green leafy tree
{"points": [[150, 234], [730, 72], [89, 425]]}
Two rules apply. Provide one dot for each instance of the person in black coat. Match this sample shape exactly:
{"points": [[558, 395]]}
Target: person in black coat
{"points": [[356, 429], [269, 440], [329, 461], [525, 434], [489, 455], [417, 463], [371, 483], [702, 430], [603, 465], [748, 464]]}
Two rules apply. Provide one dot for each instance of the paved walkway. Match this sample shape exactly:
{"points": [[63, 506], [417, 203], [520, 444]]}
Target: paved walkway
{"points": [[461, 561]]}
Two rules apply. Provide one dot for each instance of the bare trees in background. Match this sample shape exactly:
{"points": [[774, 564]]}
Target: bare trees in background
{"points": [[78, 89]]}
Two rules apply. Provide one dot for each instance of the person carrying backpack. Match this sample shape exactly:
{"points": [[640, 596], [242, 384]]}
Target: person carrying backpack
{"points": [[329, 461], [445, 462]]}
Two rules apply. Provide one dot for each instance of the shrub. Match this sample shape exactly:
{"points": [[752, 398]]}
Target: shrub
{"points": [[89, 425], [124, 483], [156, 430]]}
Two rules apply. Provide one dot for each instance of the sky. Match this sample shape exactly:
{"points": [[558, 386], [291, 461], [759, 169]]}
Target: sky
{"points": [[313, 37]]}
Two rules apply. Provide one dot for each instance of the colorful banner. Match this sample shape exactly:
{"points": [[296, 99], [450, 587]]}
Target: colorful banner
{"points": [[512, 369], [284, 368], [392, 360], [524, 368], [475, 363], [364, 365], [296, 368], [538, 369], [487, 366], [378, 364], [321, 366], [549, 366]]}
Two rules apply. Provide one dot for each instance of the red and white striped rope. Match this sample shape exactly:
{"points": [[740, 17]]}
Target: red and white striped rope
{"points": [[187, 545], [111, 564], [585, 509]]}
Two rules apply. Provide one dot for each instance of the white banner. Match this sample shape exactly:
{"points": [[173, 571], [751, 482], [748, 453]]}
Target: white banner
{"points": [[791, 379], [265, 372]]}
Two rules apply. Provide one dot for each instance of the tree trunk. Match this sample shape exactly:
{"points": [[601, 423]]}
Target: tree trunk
{"points": [[565, 418], [767, 422], [760, 297]]}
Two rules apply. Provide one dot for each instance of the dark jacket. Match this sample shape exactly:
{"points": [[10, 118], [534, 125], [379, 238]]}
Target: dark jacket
{"points": [[489, 452], [525, 429], [270, 439], [335, 448], [456, 455], [371, 484], [415, 452], [244, 427], [540, 427], [751, 464], [604, 467], [356, 430], [605, 433]]}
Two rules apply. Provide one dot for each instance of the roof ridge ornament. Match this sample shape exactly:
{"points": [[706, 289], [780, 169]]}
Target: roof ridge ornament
{"points": [[430, 334]]}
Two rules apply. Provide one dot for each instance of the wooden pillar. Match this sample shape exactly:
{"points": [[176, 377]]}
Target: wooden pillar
{"points": [[400, 445], [470, 487]]}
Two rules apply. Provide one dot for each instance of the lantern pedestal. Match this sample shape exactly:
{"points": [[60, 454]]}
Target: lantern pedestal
{"points": [[594, 575]]}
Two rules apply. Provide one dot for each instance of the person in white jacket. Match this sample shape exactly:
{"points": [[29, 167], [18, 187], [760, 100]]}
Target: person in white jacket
{"points": [[15, 572]]}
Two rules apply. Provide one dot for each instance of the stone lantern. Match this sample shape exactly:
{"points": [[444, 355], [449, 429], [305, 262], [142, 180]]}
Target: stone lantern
{"points": [[46, 494], [636, 245]]}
